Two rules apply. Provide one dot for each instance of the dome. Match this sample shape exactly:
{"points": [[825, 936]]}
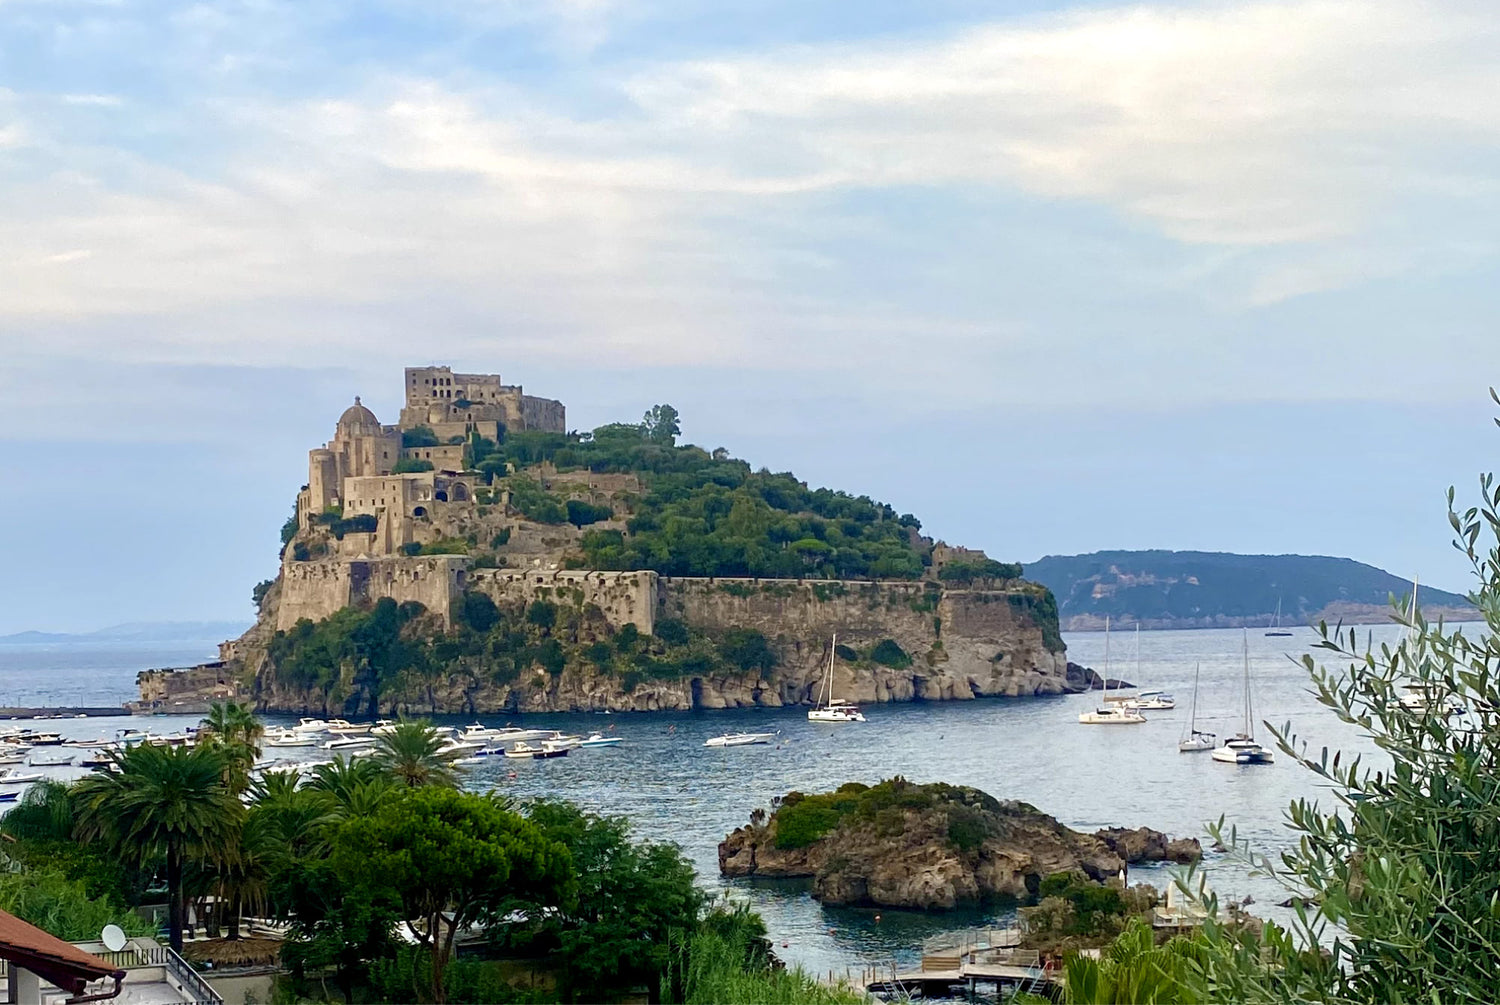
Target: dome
{"points": [[358, 416]]}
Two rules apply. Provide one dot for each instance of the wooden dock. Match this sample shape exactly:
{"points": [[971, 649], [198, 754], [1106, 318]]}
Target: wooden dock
{"points": [[968, 964]]}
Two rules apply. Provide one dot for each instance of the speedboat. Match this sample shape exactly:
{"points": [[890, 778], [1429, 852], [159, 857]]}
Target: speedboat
{"points": [[739, 739], [1242, 750], [546, 750], [479, 731], [510, 734], [383, 727], [559, 739], [17, 758], [291, 738], [348, 742], [600, 740], [457, 748], [1111, 715], [1152, 701], [311, 726], [96, 759], [10, 776]]}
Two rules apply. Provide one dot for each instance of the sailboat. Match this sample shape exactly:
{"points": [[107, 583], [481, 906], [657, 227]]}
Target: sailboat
{"points": [[1110, 714], [1147, 700], [1243, 749], [1276, 630], [832, 709], [1419, 697], [1196, 739]]}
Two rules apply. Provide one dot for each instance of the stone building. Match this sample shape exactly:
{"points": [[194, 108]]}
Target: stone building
{"points": [[360, 447], [456, 404]]}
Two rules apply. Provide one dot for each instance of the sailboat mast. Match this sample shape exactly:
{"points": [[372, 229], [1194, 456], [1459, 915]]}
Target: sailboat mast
{"points": [[1193, 711], [833, 649], [1249, 733], [1106, 658]]}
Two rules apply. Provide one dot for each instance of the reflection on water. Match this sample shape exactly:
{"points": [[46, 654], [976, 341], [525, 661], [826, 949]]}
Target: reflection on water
{"points": [[675, 789]]}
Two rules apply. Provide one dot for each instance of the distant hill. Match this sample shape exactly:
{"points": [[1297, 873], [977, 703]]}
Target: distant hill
{"points": [[1204, 589], [137, 631]]}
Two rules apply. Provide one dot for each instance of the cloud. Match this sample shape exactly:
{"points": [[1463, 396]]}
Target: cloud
{"points": [[737, 211]]}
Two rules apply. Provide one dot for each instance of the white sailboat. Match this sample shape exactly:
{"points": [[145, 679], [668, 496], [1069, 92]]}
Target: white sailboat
{"points": [[1109, 714], [1418, 697], [832, 709], [1196, 739], [1243, 749], [1276, 630], [1147, 701]]}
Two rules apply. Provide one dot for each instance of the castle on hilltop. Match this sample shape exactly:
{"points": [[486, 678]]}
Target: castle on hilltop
{"points": [[393, 475]]}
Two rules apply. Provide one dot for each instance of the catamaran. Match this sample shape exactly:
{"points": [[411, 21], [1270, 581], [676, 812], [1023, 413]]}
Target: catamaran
{"points": [[1196, 739], [1243, 749], [832, 709], [1110, 714]]}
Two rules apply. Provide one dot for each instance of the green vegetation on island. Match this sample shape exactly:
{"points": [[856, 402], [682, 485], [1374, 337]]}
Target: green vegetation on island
{"points": [[1202, 589]]}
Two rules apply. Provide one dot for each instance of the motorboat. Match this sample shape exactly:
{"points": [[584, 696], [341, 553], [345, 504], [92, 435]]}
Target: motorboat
{"points": [[1148, 701], [600, 740], [526, 750], [9, 797], [831, 709], [290, 738], [511, 734], [97, 759], [10, 776], [1114, 711], [348, 742], [311, 726], [1242, 748], [17, 758], [1196, 739], [383, 727], [1422, 698], [479, 731], [452, 748], [52, 762], [739, 739], [1111, 715], [44, 739], [559, 739], [342, 727]]}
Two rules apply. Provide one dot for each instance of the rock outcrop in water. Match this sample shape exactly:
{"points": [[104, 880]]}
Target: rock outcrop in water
{"points": [[928, 847]]}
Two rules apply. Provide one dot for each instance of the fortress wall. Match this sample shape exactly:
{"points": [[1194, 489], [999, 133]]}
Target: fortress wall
{"points": [[315, 590], [624, 597], [544, 414]]}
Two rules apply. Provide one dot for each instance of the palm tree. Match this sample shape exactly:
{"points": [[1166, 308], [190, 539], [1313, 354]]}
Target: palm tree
{"points": [[354, 788], [47, 812], [410, 753], [168, 802], [234, 729]]}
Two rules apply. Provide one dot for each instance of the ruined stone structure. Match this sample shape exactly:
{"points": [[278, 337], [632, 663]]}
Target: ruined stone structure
{"points": [[455, 404]]}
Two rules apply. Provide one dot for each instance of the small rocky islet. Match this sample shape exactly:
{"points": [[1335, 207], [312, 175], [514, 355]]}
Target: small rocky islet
{"points": [[933, 847]]}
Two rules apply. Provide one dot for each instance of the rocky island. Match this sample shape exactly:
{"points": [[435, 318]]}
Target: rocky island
{"points": [[929, 847], [476, 557]]}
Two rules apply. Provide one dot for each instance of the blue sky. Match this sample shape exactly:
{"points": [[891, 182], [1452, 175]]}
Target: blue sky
{"points": [[1056, 277]]}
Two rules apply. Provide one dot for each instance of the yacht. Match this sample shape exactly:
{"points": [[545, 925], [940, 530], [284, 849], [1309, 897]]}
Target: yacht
{"points": [[832, 709], [1148, 701], [510, 734], [341, 727], [739, 739], [311, 726], [383, 727], [348, 742], [600, 740], [453, 748], [558, 739], [1196, 739], [290, 738], [478, 731], [1110, 714], [10, 776], [1242, 748]]}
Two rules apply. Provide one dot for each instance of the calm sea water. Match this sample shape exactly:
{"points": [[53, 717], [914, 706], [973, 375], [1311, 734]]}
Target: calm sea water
{"points": [[675, 789]]}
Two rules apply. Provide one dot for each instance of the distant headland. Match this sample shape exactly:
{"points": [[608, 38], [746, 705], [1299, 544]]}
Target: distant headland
{"points": [[476, 556], [1204, 589]]}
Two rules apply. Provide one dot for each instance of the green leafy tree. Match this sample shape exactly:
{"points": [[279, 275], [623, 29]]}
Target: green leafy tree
{"points": [[409, 752], [449, 860], [631, 896], [661, 425], [167, 802]]}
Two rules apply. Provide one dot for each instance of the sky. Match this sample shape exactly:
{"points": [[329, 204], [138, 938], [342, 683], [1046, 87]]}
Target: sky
{"points": [[1055, 277]]}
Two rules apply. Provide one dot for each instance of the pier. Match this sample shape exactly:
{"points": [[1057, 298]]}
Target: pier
{"points": [[63, 712], [968, 964]]}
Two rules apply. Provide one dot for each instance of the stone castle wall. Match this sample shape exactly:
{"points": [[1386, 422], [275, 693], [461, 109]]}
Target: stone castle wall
{"points": [[624, 597], [315, 590]]}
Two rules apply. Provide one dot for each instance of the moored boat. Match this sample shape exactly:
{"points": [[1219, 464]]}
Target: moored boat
{"points": [[739, 739], [832, 709], [600, 740], [1242, 748]]}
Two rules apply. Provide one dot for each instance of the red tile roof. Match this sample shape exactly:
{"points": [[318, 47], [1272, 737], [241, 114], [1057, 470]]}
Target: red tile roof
{"points": [[62, 963]]}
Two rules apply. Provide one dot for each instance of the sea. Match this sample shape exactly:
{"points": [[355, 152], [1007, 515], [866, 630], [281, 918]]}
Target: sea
{"points": [[673, 788]]}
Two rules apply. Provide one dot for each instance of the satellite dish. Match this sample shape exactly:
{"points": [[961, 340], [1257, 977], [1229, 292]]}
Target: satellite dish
{"points": [[113, 938]]}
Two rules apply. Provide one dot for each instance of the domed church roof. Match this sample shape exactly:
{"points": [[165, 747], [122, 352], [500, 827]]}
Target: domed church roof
{"points": [[357, 415]]}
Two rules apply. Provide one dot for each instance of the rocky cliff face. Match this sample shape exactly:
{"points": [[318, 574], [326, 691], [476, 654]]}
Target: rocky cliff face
{"points": [[957, 645], [931, 847]]}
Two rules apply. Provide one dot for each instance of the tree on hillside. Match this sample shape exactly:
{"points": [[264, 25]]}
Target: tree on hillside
{"points": [[162, 801], [660, 424], [450, 860]]}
